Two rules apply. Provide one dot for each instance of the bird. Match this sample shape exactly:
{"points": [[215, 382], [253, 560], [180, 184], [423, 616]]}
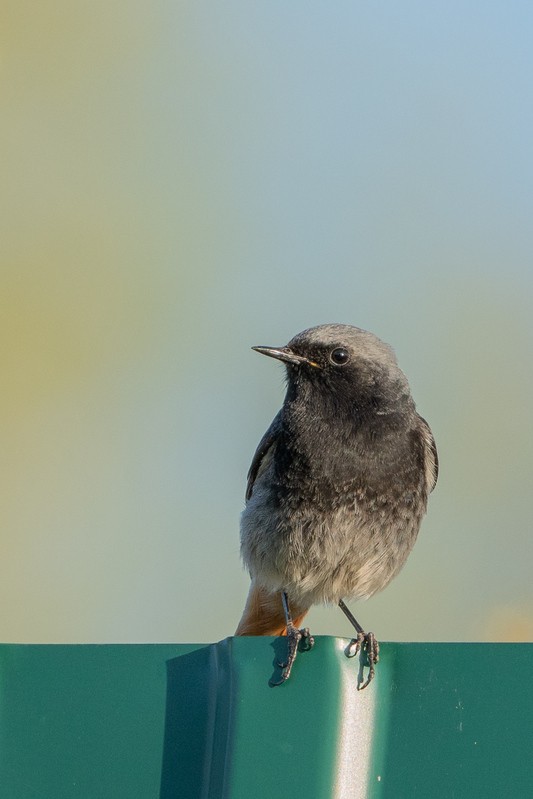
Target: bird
{"points": [[336, 490]]}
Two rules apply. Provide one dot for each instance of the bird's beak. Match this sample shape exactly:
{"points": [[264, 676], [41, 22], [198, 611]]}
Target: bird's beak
{"points": [[285, 354]]}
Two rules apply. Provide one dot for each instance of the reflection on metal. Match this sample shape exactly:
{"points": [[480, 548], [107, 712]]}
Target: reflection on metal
{"points": [[355, 735]]}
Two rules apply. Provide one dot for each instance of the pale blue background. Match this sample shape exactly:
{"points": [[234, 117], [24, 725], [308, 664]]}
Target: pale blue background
{"points": [[185, 180]]}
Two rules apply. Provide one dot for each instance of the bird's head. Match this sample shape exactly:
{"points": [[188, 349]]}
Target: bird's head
{"points": [[342, 365]]}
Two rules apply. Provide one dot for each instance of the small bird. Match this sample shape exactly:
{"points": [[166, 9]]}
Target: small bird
{"points": [[337, 487]]}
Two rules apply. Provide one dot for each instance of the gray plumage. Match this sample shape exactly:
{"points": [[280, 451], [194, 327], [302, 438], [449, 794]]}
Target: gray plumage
{"points": [[340, 481]]}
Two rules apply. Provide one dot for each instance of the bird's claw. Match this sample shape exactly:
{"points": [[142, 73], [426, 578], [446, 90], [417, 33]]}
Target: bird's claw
{"points": [[296, 640], [354, 646], [367, 644], [307, 641]]}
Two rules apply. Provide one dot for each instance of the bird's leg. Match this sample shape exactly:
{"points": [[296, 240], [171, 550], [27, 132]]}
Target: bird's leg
{"points": [[363, 642], [295, 639]]}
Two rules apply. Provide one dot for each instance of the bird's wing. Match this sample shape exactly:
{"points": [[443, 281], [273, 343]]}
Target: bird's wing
{"points": [[263, 454], [431, 458]]}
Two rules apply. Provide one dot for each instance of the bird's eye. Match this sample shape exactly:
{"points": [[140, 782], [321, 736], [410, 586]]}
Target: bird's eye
{"points": [[339, 356]]}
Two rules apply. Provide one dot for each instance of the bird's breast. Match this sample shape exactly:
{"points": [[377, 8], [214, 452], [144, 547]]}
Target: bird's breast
{"points": [[323, 545]]}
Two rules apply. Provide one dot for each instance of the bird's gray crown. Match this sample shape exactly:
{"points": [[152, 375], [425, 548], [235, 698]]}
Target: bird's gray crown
{"points": [[363, 342]]}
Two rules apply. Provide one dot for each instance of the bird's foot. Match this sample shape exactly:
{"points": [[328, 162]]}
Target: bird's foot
{"points": [[368, 645], [296, 640]]}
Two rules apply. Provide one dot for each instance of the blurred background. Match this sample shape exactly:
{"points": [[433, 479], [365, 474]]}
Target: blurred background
{"points": [[181, 181]]}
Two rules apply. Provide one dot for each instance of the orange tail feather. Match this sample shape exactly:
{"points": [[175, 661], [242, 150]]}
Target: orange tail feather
{"points": [[263, 613]]}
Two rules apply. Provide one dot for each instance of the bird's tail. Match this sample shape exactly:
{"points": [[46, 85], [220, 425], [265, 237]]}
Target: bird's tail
{"points": [[263, 613]]}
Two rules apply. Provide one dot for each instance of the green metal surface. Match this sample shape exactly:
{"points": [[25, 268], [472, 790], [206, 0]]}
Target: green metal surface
{"points": [[202, 722]]}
